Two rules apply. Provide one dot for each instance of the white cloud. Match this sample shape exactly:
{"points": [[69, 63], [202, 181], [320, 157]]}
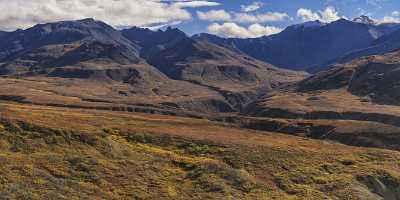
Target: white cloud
{"points": [[230, 29], [389, 19], [195, 4], [396, 13], [393, 18], [214, 15], [307, 15], [119, 13], [252, 7], [260, 18], [328, 15], [159, 26], [222, 15]]}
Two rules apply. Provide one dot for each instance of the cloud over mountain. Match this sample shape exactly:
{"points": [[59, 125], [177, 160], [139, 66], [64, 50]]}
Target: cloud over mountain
{"points": [[241, 17], [394, 17], [230, 29], [328, 15], [115, 12]]}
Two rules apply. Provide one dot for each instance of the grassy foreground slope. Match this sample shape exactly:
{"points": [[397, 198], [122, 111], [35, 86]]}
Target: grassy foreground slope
{"points": [[61, 153]]}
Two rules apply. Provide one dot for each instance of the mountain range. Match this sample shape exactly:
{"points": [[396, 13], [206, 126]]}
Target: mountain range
{"points": [[311, 46], [167, 65], [203, 72], [314, 46]]}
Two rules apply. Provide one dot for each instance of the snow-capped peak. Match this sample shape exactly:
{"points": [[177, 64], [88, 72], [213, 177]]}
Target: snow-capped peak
{"points": [[364, 20]]}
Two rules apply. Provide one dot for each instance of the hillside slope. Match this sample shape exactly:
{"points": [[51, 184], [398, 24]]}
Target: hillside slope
{"points": [[375, 78], [48, 153], [215, 66], [356, 103]]}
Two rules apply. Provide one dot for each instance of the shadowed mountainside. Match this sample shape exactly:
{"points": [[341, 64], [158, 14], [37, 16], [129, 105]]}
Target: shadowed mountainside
{"points": [[385, 44], [66, 43], [311, 45]]}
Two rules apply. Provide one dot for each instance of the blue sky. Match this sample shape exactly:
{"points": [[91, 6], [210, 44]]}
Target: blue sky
{"points": [[228, 18], [380, 10]]}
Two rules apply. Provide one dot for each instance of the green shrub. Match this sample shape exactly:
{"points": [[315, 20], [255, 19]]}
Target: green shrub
{"points": [[200, 149], [140, 138]]}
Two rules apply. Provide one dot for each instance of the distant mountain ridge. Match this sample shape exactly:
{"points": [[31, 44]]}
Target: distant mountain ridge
{"points": [[311, 46], [385, 44]]}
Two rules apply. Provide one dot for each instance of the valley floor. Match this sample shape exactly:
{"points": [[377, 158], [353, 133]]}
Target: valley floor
{"points": [[64, 153]]}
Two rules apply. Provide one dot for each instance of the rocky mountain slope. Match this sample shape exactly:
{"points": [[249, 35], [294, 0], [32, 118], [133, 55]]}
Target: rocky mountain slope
{"points": [[374, 78], [184, 58], [69, 42], [153, 42], [165, 69]]}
